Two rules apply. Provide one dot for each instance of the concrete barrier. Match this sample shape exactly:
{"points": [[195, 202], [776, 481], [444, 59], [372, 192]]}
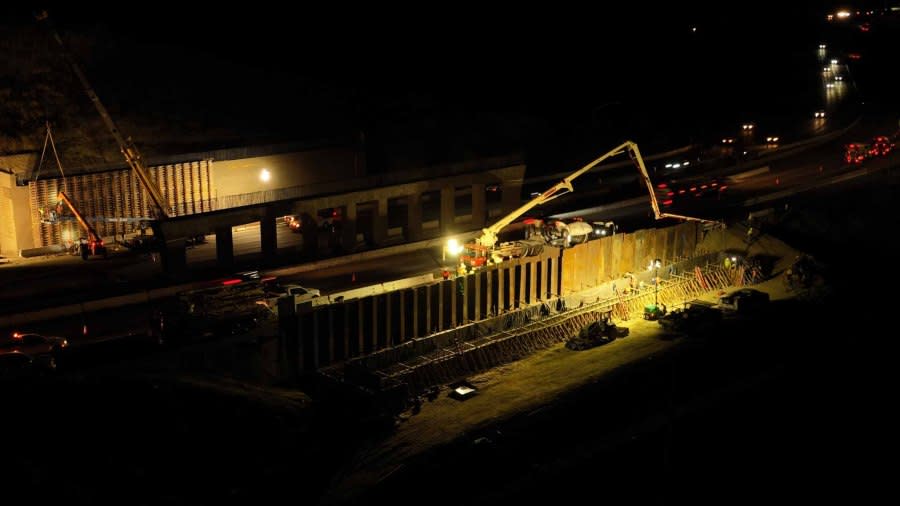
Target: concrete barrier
{"points": [[749, 173], [368, 291], [53, 249]]}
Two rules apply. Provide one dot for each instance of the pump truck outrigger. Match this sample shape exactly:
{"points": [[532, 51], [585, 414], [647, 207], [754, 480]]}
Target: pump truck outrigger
{"points": [[486, 246]]}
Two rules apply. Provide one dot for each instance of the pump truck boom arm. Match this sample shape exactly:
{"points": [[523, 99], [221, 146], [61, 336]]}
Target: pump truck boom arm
{"points": [[489, 234], [635, 155], [489, 238], [126, 145]]}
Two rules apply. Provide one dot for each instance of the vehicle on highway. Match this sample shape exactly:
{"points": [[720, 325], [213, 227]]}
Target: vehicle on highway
{"points": [[16, 364], [330, 219], [881, 146], [247, 275], [34, 344], [856, 153], [674, 190]]}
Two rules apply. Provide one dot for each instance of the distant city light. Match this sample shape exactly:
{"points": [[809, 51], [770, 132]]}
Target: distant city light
{"points": [[843, 14], [265, 175]]}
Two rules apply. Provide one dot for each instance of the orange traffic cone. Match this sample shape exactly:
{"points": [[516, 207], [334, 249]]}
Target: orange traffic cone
{"points": [[353, 279]]}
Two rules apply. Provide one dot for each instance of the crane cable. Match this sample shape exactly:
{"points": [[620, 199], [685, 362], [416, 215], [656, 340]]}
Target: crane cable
{"points": [[56, 155], [49, 139]]}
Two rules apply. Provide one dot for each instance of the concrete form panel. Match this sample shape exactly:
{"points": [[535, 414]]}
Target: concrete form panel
{"points": [[532, 281], [317, 343], [367, 331], [489, 291], [479, 295], [360, 327]]}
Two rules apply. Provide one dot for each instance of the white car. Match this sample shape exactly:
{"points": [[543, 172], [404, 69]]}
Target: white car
{"points": [[301, 293]]}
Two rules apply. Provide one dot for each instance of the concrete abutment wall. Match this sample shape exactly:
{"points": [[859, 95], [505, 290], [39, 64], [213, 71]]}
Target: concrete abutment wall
{"points": [[338, 332]]}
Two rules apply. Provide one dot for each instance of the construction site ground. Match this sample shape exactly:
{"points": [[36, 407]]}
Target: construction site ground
{"points": [[521, 389]]}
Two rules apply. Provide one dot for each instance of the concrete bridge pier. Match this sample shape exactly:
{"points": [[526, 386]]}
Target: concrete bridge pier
{"points": [[414, 217], [268, 236], [448, 209], [174, 257], [512, 195], [380, 221], [348, 227], [224, 246], [479, 205], [309, 225]]}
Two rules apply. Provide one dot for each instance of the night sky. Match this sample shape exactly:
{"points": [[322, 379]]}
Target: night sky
{"points": [[457, 81]]}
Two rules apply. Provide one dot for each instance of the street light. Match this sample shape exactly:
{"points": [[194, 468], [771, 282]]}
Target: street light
{"points": [[453, 247], [656, 264]]}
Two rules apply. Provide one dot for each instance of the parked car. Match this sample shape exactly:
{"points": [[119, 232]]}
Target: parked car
{"points": [[34, 344], [301, 293], [16, 364]]}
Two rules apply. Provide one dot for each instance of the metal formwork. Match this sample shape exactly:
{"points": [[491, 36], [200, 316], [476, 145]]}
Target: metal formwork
{"points": [[104, 197]]}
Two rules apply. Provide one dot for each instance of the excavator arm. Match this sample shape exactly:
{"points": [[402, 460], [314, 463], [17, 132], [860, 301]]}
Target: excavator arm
{"points": [[126, 145]]}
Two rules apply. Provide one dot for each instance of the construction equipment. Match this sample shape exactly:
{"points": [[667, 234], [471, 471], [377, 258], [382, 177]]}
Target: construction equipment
{"points": [[487, 246], [93, 244], [229, 307], [597, 333], [160, 207]]}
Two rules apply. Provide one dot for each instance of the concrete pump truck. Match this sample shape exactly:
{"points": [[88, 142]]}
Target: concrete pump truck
{"points": [[487, 247]]}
